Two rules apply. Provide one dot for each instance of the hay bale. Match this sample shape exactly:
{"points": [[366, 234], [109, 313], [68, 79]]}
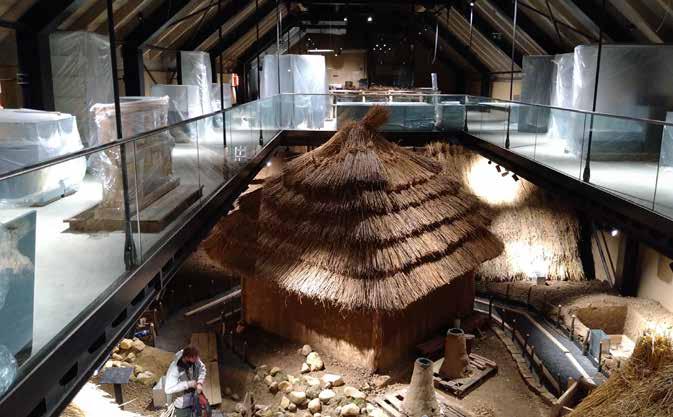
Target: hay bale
{"points": [[643, 387]]}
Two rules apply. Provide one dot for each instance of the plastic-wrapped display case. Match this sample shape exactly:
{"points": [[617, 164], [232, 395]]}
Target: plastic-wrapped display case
{"points": [[152, 163], [300, 74], [31, 136], [81, 71], [17, 293]]}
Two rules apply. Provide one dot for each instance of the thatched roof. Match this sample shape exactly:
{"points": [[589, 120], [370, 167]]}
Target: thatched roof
{"points": [[541, 235], [363, 223]]}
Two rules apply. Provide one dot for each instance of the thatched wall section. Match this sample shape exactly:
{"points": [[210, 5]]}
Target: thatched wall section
{"points": [[541, 234], [642, 387], [363, 338]]}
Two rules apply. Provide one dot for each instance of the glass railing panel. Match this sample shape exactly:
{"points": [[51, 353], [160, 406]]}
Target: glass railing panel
{"points": [[494, 122], [170, 179], [52, 249], [211, 154], [664, 192], [561, 140], [623, 156]]}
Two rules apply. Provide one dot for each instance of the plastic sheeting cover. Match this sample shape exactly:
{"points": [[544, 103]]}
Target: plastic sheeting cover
{"points": [[538, 73], [184, 103], [82, 76], [195, 67], [215, 95], [31, 136], [300, 74]]}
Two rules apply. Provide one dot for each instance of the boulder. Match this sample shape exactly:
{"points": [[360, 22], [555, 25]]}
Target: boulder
{"points": [[306, 349], [274, 371], [312, 392], [315, 362], [304, 368], [326, 395], [130, 357], [314, 406], [117, 357], [333, 380], [311, 381], [126, 344], [268, 380], [293, 379], [138, 345], [317, 415], [285, 387], [292, 408], [297, 397], [146, 378], [273, 388], [381, 381], [354, 393], [284, 402], [350, 410], [262, 369], [377, 412]]}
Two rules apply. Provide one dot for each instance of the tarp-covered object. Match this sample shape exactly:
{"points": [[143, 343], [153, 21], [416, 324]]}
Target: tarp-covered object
{"points": [[195, 67], [184, 103], [306, 77], [538, 72], [31, 136], [81, 71]]}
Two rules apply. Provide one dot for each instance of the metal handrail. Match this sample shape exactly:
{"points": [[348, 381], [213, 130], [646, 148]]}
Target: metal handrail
{"points": [[102, 147], [586, 112]]}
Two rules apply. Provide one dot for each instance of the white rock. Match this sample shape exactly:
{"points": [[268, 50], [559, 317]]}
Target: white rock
{"points": [[326, 395], [377, 412], [125, 344], [297, 397], [130, 357], [333, 379], [312, 382], [273, 388], [138, 345], [306, 349], [305, 368], [268, 380], [381, 381], [146, 378], [317, 415], [293, 379], [314, 406], [350, 410], [274, 371], [354, 393], [337, 411], [284, 402], [285, 386], [292, 408], [314, 361]]}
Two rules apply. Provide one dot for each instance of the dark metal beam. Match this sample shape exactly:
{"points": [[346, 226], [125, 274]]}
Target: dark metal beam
{"points": [[33, 50], [615, 31], [212, 25], [243, 28], [132, 47], [528, 26], [455, 43], [267, 40]]}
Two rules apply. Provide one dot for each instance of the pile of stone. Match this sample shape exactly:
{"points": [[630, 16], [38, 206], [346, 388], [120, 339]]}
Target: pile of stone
{"points": [[309, 396], [124, 355]]}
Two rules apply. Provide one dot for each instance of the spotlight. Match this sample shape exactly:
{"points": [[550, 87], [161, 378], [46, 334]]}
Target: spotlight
{"points": [[268, 164], [369, 18], [497, 168], [614, 232], [504, 174], [490, 162], [515, 177], [471, 4], [345, 19]]}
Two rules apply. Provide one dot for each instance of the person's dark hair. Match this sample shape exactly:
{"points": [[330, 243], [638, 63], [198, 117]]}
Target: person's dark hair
{"points": [[190, 351]]}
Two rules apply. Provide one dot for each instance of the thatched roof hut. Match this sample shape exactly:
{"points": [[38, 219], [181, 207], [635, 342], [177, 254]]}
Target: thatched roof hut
{"points": [[541, 235], [363, 223]]}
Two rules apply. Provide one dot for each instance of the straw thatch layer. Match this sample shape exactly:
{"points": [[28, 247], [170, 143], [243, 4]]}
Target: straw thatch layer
{"points": [[643, 387], [541, 235], [361, 223]]}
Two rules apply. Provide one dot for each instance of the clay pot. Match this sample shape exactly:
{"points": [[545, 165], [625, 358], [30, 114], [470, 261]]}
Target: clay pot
{"points": [[420, 399], [455, 355]]}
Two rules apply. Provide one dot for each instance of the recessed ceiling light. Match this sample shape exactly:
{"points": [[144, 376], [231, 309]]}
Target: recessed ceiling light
{"points": [[369, 18]]}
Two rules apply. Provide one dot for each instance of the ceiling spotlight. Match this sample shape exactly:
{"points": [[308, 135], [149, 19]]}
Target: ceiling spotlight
{"points": [[497, 168], [345, 19], [471, 4], [515, 177], [504, 174], [369, 18], [490, 162], [268, 164], [614, 232]]}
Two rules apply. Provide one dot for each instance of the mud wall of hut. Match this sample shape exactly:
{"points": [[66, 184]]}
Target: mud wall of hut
{"points": [[368, 339]]}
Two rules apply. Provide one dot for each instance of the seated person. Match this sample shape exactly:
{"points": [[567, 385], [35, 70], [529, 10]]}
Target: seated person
{"points": [[185, 376]]}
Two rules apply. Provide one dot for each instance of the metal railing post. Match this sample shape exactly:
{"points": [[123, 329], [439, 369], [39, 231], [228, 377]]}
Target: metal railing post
{"points": [[511, 75], [130, 252]]}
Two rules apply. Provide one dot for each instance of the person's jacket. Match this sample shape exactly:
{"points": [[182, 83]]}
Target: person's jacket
{"points": [[178, 377]]}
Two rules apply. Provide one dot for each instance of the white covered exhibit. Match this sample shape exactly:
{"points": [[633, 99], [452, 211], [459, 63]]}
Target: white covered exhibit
{"points": [[31, 136], [304, 79]]}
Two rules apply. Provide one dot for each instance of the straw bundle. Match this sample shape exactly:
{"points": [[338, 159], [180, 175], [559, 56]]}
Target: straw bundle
{"points": [[643, 387], [540, 235]]}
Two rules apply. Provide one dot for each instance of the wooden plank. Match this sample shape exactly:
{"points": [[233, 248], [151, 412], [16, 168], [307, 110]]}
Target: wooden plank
{"points": [[212, 386], [387, 407], [207, 345], [215, 301], [394, 401]]}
